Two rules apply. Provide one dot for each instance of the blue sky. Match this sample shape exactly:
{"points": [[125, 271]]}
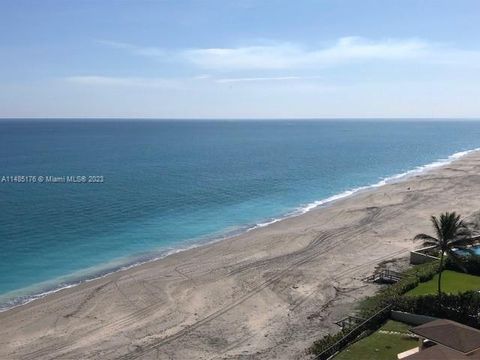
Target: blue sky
{"points": [[239, 59]]}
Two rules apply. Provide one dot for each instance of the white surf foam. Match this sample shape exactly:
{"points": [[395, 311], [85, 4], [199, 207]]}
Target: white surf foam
{"points": [[25, 299], [387, 180]]}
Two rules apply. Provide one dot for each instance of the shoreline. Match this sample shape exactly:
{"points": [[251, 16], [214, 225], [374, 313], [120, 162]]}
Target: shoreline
{"points": [[266, 294], [105, 270]]}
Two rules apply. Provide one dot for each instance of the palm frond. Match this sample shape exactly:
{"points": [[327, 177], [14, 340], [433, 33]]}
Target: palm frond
{"points": [[457, 259], [437, 226], [463, 230], [426, 238], [461, 242]]}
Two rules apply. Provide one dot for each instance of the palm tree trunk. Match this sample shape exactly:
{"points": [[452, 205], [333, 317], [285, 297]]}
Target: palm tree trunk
{"points": [[440, 270]]}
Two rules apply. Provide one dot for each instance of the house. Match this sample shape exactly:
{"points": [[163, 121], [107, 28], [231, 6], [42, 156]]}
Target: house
{"points": [[444, 340]]}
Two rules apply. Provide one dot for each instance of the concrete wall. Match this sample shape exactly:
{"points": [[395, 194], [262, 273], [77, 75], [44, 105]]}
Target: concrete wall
{"points": [[409, 318], [418, 257]]}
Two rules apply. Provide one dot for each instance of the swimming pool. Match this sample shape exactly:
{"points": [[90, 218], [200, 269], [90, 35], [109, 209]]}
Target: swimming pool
{"points": [[474, 249]]}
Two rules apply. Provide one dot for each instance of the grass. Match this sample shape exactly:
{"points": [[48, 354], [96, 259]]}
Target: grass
{"points": [[452, 282], [384, 344]]}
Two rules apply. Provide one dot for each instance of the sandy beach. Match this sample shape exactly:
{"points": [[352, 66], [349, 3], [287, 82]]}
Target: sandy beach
{"points": [[266, 294]]}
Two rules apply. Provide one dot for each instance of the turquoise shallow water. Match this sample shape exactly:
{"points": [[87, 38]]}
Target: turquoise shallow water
{"points": [[170, 184]]}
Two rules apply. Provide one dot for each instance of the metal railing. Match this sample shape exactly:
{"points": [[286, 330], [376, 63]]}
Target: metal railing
{"points": [[372, 324]]}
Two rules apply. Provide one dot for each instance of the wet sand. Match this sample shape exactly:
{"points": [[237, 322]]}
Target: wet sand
{"points": [[266, 294]]}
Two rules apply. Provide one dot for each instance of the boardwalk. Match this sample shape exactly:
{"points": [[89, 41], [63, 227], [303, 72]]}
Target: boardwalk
{"points": [[385, 276]]}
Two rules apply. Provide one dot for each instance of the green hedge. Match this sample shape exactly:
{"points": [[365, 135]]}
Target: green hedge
{"points": [[471, 263], [464, 307], [374, 304]]}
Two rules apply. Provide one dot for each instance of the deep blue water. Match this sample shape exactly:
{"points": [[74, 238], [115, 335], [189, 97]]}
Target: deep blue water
{"points": [[170, 183]]}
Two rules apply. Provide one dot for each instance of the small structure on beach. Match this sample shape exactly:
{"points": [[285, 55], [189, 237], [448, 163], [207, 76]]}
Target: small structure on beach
{"points": [[385, 276], [349, 321]]}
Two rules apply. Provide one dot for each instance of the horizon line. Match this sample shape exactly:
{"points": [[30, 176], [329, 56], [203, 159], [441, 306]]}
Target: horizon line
{"points": [[241, 119]]}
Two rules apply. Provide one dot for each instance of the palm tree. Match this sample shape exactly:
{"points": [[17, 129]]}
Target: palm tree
{"points": [[451, 232]]}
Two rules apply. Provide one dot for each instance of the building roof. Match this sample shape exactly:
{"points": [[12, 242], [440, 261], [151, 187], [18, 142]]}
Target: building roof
{"points": [[439, 352], [450, 334]]}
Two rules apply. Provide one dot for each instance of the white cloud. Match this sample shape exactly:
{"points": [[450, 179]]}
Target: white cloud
{"points": [[284, 55], [270, 78], [288, 55], [124, 81], [179, 82], [149, 51]]}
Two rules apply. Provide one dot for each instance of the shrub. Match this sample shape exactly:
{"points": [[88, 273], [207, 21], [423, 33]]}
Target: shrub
{"points": [[471, 263], [464, 307], [327, 341]]}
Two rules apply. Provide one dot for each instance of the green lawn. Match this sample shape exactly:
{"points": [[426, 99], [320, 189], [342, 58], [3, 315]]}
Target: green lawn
{"points": [[452, 282], [384, 344]]}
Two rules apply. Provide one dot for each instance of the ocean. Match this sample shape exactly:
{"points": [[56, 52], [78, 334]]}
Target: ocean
{"points": [[82, 198]]}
